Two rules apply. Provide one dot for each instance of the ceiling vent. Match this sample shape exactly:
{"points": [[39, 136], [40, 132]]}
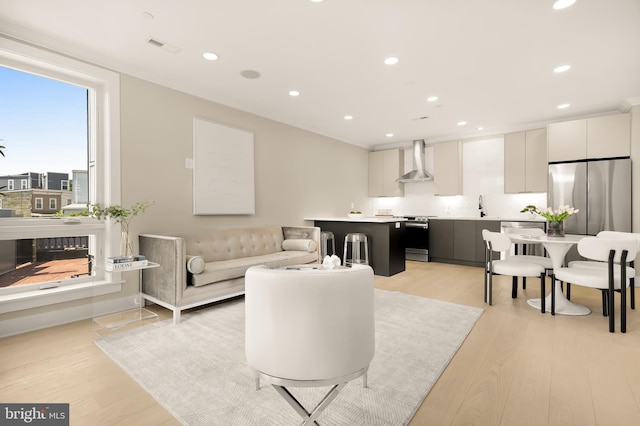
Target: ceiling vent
{"points": [[162, 45]]}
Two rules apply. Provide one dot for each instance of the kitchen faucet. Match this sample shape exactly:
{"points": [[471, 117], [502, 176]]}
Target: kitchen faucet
{"points": [[481, 207]]}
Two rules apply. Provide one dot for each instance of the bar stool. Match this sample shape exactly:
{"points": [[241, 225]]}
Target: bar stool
{"points": [[327, 237], [356, 241]]}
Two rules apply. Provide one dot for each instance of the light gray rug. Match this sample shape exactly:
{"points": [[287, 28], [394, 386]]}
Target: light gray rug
{"points": [[197, 369]]}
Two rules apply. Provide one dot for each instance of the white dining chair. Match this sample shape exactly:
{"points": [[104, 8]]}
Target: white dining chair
{"points": [[501, 243], [631, 272], [615, 253], [521, 254]]}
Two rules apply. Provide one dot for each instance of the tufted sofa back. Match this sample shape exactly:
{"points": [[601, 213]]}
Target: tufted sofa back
{"points": [[226, 244]]}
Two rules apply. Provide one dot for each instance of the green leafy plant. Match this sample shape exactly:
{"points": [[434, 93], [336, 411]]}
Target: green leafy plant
{"points": [[120, 215]]}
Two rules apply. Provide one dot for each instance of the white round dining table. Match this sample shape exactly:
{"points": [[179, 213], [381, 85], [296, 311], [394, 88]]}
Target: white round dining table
{"points": [[557, 247]]}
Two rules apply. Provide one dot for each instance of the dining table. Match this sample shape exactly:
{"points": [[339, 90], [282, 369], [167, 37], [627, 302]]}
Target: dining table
{"points": [[557, 248]]}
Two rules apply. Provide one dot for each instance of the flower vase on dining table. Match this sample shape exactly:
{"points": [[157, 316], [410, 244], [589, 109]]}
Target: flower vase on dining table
{"points": [[555, 228]]}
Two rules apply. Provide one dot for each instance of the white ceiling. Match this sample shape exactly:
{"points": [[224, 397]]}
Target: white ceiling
{"points": [[490, 61]]}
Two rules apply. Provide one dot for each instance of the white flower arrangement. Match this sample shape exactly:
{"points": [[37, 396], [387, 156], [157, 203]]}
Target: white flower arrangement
{"points": [[551, 215]]}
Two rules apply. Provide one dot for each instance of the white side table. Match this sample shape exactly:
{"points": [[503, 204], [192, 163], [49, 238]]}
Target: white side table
{"points": [[130, 318]]}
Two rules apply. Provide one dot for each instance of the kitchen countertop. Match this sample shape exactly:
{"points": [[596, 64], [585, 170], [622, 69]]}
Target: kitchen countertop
{"points": [[495, 218], [370, 219]]}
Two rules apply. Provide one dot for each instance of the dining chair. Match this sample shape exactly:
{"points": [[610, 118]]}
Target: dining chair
{"points": [[522, 246], [613, 251], [501, 243], [631, 272]]}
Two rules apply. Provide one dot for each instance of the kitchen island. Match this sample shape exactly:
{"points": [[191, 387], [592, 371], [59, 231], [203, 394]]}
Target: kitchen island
{"points": [[385, 236]]}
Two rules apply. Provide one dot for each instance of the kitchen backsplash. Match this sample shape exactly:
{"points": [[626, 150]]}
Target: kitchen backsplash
{"points": [[483, 175]]}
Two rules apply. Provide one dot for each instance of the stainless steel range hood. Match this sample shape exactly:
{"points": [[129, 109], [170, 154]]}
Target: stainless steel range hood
{"points": [[419, 173]]}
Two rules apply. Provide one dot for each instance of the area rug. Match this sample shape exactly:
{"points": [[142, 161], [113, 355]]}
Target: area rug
{"points": [[197, 369]]}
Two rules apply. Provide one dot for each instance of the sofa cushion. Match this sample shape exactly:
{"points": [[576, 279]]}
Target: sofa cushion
{"points": [[236, 268], [230, 244], [299, 245]]}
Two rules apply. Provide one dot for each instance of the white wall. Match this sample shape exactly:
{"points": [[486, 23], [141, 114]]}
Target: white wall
{"points": [[483, 174]]}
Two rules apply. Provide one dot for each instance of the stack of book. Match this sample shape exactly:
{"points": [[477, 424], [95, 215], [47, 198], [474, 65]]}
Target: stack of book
{"points": [[126, 262]]}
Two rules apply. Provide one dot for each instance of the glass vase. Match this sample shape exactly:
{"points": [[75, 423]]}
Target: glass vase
{"points": [[555, 229], [126, 247]]}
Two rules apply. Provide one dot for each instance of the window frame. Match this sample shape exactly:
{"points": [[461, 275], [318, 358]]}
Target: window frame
{"points": [[38, 203], [53, 204], [24, 184], [104, 176], [10, 185]]}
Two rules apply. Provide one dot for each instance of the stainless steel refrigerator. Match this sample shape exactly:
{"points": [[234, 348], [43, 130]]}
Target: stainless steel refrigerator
{"points": [[600, 189]]}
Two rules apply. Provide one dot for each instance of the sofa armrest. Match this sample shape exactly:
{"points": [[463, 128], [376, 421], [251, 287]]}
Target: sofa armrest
{"points": [[312, 233], [169, 281]]}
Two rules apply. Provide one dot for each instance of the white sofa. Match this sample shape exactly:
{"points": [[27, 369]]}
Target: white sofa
{"points": [[197, 268]]}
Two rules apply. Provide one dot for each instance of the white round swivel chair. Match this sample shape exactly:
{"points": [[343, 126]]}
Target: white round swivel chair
{"points": [[309, 328]]}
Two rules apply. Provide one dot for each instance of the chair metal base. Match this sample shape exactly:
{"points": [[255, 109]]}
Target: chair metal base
{"points": [[309, 417]]}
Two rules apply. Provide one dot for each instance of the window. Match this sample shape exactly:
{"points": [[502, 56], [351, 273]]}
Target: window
{"points": [[52, 204], [39, 203], [64, 185], [102, 167], [24, 184], [10, 184]]}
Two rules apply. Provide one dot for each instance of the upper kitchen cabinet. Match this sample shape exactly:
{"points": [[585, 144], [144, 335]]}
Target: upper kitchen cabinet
{"points": [[609, 136], [447, 169], [599, 137], [384, 168], [525, 161]]}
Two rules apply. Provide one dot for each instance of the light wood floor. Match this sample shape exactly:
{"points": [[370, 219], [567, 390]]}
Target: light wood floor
{"points": [[516, 367]]}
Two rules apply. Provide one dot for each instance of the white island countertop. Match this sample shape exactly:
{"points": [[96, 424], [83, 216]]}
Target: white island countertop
{"points": [[370, 219]]}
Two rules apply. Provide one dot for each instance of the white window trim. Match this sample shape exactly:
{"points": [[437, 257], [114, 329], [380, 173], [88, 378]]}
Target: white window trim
{"points": [[104, 164], [24, 184], [64, 185], [53, 204], [10, 184], [39, 203]]}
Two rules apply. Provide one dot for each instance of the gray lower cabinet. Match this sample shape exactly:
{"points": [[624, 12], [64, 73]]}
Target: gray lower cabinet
{"points": [[458, 241]]}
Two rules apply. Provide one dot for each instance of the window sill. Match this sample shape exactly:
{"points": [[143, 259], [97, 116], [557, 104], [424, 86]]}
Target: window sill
{"points": [[36, 298]]}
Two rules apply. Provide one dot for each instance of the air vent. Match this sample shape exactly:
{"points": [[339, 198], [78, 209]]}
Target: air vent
{"points": [[155, 42], [162, 45]]}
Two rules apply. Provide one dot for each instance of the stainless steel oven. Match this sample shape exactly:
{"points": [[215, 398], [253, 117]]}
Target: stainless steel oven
{"points": [[417, 238]]}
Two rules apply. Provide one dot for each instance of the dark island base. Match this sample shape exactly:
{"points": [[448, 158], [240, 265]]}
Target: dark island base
{"points": [[386, 243]]}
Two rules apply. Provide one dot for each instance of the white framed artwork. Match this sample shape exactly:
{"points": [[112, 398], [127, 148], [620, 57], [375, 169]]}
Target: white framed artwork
{"points": [[223, 169]]}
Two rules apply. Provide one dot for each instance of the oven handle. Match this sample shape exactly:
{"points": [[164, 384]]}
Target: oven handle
{"points": [[417, 225]]}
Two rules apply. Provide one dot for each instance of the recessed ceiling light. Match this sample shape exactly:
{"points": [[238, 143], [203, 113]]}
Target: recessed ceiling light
{"points": [[315, 1], [147, 15], [562, 68], [391, 60], [480, 128], [210, 56], [348, 117], [294, 93], [432, 98], [251, 74], [389, 135], [562, 4], [462, 123], [563, 106]]}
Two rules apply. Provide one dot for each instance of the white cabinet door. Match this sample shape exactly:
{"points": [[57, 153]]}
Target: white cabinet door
{"points": [[448, 168], [537, 165], [525, 161], [609, 136], [567, 141], [384, 168], [514, 162]]}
